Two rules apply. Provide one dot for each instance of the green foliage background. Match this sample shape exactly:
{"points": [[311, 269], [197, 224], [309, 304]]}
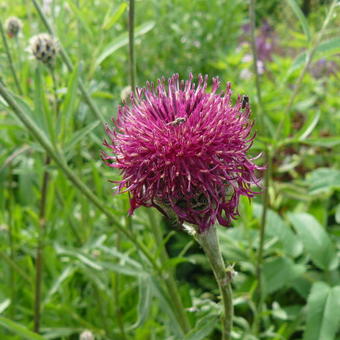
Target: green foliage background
{"points": [[94, 277]]}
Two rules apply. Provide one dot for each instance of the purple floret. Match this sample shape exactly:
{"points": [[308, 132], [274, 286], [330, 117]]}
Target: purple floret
{"points": [[184, 149]]}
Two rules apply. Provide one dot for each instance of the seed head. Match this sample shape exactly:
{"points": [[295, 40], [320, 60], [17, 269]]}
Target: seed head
{"points": [[183, 149], [44, 48], [13, 25]]}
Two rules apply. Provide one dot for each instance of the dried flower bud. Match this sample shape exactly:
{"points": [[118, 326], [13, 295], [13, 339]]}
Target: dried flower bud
{"points": [[13, 26], [86, 335], [44, 48]]}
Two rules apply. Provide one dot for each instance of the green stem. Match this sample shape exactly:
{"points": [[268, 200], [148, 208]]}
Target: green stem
{"points": [[10, 60], [255, 60], [40, 248], [209, 242], [79, 184], [259, 257], [169, 278], [69, 65], [309, 58], [132, 63]]}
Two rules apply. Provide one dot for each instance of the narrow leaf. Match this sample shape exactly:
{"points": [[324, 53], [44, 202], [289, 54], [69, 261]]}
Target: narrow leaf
{"points": [[301, 17]]}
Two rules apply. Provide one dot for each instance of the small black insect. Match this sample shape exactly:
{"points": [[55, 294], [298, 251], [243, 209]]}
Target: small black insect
{"points": [[245, 102]]}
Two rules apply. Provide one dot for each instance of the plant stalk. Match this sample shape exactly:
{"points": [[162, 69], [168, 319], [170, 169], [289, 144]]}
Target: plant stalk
{"points": [[132, 62], [10, 60], [40, 248], [209, 242]]}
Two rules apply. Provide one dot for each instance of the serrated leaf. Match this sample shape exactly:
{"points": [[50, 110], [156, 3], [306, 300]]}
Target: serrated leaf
{"points": [[315, 240], [322, 312]]}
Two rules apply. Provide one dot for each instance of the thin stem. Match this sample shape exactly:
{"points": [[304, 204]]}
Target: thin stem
{"points": [[209, 242], [252, 17], [309, 58], [10, 60], [132, 63], [57, 157], [116, 289], [40, 248], [69, 65], [259, 258], [169, 278]]}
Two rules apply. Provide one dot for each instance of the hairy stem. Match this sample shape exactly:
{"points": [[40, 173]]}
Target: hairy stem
{"points": [[209, 242], [169, 278], [132, 62], [10, 60]]}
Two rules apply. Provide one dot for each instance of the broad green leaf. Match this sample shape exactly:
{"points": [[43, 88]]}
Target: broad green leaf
{"points": [[203, 328], [109, 21], [123, 40], [315, 240], [301, 17], [279, 272], [19, 330], [277, 227], [323, 318], [323, 180]]}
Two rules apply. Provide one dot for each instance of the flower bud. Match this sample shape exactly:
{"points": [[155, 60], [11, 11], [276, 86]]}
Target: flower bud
{"points": [[86, 335], [13, 26], [44, 48]]}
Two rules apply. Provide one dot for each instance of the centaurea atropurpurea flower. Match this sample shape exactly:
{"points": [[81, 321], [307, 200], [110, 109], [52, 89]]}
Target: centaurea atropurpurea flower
{"points": [[183, 149]]}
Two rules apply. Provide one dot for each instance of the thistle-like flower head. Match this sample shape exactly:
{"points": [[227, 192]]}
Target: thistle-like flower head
{"points": [[13, 25], [183, 150], [44, 48]]}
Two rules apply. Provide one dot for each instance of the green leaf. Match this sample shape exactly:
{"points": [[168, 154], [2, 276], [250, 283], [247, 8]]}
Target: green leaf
{"points": [[278, 272], [69, 104], [109, 21], [299, 14], [309, 126], [144, 301], [277, 227], [326, 48], [19, 330], [326, 142], [323, 318], [4, 304], [315, 240], [203, 328], [323, 180], [123, 40]]}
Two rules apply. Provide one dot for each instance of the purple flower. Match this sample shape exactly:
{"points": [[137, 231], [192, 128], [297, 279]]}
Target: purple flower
{"points": [[182, 149]]}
